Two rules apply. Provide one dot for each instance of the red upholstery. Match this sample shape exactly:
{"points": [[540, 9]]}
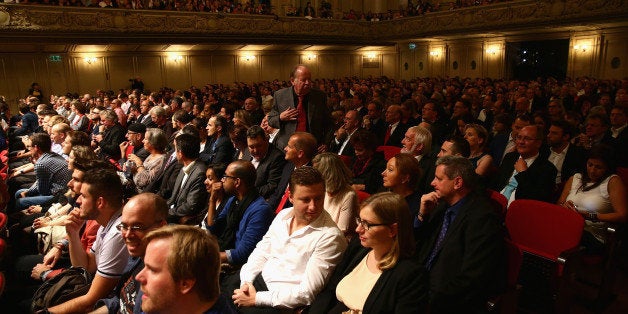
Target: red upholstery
{"points": [[3, 247], [543, 229], [3, 220], [499, 201], [362, 196], [2, 281], [389, 151]]}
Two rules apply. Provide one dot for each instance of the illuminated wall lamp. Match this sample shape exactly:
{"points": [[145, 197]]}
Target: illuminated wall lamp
{"points": [[491, 51], [370, 55], [582, 48], [248, 58], [90, 60], [176, 58], [310, 57], [434, 53]]}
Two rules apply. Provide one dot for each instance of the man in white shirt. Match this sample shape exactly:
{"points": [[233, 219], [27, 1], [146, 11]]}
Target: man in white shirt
{"points": [[294, 260], [341, 142], [568, 159]]}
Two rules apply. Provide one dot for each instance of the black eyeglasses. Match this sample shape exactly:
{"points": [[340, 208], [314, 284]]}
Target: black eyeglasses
{"points": [[136, 228], [366, 225]]}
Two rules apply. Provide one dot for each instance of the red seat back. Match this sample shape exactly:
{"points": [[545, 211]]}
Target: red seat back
{"points": [[362, 196], [389, 151], [499, 201], [542, 228]]}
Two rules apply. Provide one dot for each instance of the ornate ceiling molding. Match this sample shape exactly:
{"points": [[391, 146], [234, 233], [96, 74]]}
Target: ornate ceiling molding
{"points": [[27, 22]]}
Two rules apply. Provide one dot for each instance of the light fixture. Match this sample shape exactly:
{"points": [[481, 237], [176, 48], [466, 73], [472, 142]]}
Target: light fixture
{"points": [[370, 55], [176, 58], [248, 57], [581, 47], [90, 60], [491, 50], [435, 53], [310, 56]]}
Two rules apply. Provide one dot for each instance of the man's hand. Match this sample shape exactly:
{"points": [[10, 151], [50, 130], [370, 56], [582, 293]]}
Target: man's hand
{"points": [[521, 165], [245, 296], [289, 114], [73, 223], [428, 203], [38, 269]]}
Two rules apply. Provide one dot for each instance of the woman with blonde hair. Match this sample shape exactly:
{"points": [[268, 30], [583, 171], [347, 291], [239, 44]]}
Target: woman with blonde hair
{"points": [[340, 200], [377, 273]]}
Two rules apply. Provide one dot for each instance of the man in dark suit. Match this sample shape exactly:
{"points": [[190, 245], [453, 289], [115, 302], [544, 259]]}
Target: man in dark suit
{"points": [[568, 159], [219, 148], [189, 195], [373, 121], [524, 174], [300, 108], [341, 143], [267, 159], [460, 240], [619, 131], [396, 129], [300, 150], [503, 144]]}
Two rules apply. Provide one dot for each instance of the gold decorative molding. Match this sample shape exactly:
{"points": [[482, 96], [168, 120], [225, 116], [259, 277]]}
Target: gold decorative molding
{"points": [[27, 22]]}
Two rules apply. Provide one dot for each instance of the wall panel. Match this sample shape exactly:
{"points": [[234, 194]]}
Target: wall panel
{"points": [[150, 70], [120, 69], [90, 77], [223, 69]]}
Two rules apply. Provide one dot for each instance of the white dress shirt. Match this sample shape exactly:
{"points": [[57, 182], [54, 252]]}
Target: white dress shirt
{"points": [[558, 159], [294, 266]]}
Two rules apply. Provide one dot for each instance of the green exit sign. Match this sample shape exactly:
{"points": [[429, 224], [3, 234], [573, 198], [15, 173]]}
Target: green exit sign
{"points": [[55, 58]]}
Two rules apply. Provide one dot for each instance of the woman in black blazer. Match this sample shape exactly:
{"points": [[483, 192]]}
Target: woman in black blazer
{"points": [[376, 274]]}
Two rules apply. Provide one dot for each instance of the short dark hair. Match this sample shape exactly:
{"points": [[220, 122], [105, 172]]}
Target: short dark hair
{"points": [[365, 138], [305, 142], [189, 145], [222, 122], [42, 141], [245, 171], [460, 146], [305, 176], [457, 166], [565, 126], [255, 131], [182, 116], [105, 183], [78, 138]]}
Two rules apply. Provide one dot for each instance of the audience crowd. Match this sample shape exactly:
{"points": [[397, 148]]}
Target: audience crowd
{"points": [[293, 177], [264, 7]]}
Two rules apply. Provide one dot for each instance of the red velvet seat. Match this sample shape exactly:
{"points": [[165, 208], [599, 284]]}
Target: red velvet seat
{"points": [[499, 201], [389, 151], [362, 196]]}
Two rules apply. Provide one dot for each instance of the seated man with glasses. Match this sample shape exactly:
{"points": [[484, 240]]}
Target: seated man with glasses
{"points": [[523, 174], [141, 214], [295, 258]]}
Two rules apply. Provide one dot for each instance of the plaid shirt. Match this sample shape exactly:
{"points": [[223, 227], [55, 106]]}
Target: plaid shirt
{"points": [[52, 174]]}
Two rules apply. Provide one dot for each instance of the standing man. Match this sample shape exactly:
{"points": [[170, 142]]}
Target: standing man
{"points": [[298, 254], [300, 109], [181, 281], [460, 240]]}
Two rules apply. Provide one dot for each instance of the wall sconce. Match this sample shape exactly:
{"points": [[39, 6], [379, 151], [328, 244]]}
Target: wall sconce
{"points": [[491, 51], [581, 47], [248, 58], [90, 60], [310, 57], [435, 53], [176, 58], [370, 55]]}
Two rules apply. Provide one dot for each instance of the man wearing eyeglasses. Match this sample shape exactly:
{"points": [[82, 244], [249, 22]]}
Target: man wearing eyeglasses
{"points": [[101, 200], [296, 257], [141, 214], [523, 174]]}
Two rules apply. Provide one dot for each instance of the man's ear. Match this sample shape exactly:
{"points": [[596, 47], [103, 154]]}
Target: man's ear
{"points": [[186, 285]]}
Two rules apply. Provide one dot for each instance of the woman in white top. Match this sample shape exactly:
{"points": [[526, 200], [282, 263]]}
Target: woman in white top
{"points": [[340, 200], [598, 195]]}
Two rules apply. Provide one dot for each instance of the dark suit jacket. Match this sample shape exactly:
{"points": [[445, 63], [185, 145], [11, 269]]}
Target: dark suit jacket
{"points": [[371, 175], [468, 268], [347, 151], [396, 136], [277, 195], [536, 183], [269, 172], [574, 161], [379, 129], [497, 147], [221, 153], [164, 182], [319, 121], [191, 198], [401, 289], [111, 139]]}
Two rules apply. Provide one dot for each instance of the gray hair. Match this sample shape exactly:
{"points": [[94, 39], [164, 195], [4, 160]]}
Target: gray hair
{"points": [[458, 166]]}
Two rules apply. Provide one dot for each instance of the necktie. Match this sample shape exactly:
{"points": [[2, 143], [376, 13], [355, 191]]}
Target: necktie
{"points": [[301, 116], [439, 240], [511, 186], [283, 201], [387, 134]]}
